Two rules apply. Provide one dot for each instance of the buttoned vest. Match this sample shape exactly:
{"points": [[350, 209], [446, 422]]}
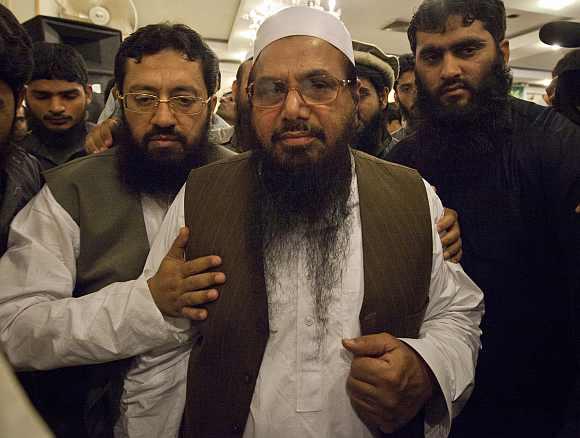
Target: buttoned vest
{"points": [[227, 354]]}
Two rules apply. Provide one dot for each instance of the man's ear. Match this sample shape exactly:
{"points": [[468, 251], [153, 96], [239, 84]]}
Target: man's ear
{"points": [[212, 103], [504, 48], [384, 98], [89, 93], [235, 90]]}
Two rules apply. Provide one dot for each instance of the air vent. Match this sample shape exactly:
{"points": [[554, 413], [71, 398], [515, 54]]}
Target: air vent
{"points": [[400, 26]]}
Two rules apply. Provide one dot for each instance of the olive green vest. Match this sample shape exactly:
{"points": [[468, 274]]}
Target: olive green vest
{"points": [[226, 357], [83, 401]]}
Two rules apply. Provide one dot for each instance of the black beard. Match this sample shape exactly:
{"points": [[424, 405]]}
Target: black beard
{"points": [[488, 102], [243, 127], [369, 138], [456, 138], [143, 172], [408, 116], [304, 212]]}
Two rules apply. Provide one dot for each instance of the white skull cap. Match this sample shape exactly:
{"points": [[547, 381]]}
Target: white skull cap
{"points": [[306, 21]]}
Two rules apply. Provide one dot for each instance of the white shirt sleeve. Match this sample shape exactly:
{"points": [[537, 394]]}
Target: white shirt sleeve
{"points": [[449, 338], [154, 390], [42, 326]]}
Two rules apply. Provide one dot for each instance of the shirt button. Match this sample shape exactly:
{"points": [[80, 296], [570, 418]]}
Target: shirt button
{"points": [[308, 321], [247, 378], [237, 429]]}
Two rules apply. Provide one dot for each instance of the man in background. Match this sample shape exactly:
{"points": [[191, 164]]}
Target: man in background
{"points": [[566, 98], [57, 97], [377, 73], [511, 169], [405, 96], [227, 108]]}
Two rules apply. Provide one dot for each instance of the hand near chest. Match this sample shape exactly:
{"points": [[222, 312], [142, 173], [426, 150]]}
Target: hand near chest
{"points": [[389, 382]]}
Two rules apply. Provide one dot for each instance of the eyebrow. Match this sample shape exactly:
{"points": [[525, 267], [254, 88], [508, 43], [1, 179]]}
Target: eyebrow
{"points": [[150, 89], [469, 41], [51, 93]]}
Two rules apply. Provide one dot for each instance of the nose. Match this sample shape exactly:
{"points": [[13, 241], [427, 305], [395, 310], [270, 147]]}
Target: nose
{"points": [[163, 116], [294, 106], [56, 105], [450, 67]]}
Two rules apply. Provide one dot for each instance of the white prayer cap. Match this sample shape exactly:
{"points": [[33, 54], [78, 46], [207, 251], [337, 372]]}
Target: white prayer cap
{"points": [[303, 20]]}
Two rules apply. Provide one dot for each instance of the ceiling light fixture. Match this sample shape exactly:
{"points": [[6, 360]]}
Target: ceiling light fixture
{"points": [[257, 15], [555, 5]]}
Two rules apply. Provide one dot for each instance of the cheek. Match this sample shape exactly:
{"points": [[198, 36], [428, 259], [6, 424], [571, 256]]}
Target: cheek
{"points": [[38, 108], [138, 126], [191, 128], [264, 124], [6, 119]]}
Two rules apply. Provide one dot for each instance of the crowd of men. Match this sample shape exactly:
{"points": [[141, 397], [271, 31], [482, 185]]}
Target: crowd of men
{"points": [[298, 276]]}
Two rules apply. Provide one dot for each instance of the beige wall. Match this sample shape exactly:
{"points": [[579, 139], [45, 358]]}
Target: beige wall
{"points": [[26, 9]]}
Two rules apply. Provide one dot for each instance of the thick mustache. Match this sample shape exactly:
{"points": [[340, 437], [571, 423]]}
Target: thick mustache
{"points": [[454, 84], [164, 134], [302, 128]]}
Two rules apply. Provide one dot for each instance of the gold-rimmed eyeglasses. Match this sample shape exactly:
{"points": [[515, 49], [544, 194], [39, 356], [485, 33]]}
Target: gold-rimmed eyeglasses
{"points": [[145, 103], [314, 90]]}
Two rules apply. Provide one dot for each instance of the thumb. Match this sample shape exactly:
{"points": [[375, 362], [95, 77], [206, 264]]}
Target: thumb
{"points": [[371, 345], [177, 250]]}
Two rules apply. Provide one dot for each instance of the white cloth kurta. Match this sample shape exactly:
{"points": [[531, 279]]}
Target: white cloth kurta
{"points": [[298, 394], [42, 326]]}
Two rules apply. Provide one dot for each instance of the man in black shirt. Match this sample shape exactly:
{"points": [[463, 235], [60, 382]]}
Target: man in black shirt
{"points": [[511, 169], [57, 97]]}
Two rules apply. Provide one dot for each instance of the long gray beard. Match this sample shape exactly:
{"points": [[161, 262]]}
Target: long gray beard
{"points": [[304, 215], [322, 252]]}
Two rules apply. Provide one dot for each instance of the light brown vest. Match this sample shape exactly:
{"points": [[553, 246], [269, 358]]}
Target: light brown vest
{"points": [[226, 357]]}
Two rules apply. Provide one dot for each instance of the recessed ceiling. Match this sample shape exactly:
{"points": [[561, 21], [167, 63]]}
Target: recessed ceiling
{"points": [[221, 23]]}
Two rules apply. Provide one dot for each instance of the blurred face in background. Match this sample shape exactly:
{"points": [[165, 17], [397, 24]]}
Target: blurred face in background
{"points": [[58, 105], [227, 108]]}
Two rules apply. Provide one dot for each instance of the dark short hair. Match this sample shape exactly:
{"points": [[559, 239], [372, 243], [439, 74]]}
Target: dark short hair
{"points": [[154, 38], [61, 62], [393, 114], [570, 61], [15, 52], [406, 63], [376, 77], [432, 16]]}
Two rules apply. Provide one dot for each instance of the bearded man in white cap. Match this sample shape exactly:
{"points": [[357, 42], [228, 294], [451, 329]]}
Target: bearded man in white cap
{"points": [[339, 317]]}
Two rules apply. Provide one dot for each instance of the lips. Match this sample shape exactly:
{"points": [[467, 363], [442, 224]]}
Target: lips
{"points": [[165, 142], [57, 120], [297, 138]]}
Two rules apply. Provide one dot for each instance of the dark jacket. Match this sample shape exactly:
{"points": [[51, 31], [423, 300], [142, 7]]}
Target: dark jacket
{"points": [[20, 180], [52, 149], [521, 241]]}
